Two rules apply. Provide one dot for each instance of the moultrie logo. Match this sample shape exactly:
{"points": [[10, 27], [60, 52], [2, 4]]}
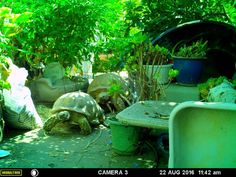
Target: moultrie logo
{"points": [[34, 172]]}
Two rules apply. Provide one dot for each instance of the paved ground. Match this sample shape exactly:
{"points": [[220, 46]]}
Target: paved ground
{"points": [[35, 149]]}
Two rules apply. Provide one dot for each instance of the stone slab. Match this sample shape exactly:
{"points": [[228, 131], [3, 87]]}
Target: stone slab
{"points": [[149, 114]]}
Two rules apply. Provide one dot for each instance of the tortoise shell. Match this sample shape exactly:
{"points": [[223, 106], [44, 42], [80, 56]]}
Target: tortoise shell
{"points": [[79, 102]]}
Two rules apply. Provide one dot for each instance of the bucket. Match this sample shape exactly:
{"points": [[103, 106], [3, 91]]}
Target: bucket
{"points": [[125, 139]]}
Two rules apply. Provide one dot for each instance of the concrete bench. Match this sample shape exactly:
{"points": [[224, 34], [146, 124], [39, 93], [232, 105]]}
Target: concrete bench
{"points": [[148, 114]]}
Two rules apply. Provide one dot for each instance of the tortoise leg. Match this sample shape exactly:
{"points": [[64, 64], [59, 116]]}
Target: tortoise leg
{"points": [[118, 103], [85, 127], [55, 119], [50, 123]]}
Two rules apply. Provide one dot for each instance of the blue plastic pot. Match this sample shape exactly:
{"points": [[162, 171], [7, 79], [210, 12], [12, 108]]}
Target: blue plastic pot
{"points": [[190, 70]]}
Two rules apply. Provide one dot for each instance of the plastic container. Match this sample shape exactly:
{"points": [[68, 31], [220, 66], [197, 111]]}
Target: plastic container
{"points": [[202, 135], [125, 139]]}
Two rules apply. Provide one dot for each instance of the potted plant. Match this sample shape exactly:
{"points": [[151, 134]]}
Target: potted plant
{"points": [[188, 60], [157, 63], [144, 86]]}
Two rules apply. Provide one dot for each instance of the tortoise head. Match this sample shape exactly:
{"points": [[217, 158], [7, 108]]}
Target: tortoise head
{"points": [[63, 115], [103, 97]]}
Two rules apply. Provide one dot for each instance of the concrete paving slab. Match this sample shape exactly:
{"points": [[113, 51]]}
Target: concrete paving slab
{"points": [[34, 149]]}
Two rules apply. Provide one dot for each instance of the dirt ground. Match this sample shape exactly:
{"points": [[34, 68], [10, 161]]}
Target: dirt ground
{"points": [[35, 149]]}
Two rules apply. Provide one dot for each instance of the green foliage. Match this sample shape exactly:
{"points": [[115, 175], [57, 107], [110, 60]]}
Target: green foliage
{"points": [[70, 31], [109, 63], [156, 55], [60, 32], [135, 55], [173, 73], [197, 49], [147, 85], [230, 10], [163, 15], [155, 17], [10, 25], [4, 72], [115, 89], [151, 17], [147, 53], [122, 49], [131, 64]]}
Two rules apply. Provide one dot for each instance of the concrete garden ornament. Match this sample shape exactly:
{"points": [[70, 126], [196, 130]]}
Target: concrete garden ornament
{"points": [[53, 84], [224, 92]]}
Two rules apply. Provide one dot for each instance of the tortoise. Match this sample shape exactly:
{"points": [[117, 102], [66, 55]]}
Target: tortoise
{"points": [[76, 109], [101, 90]]}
